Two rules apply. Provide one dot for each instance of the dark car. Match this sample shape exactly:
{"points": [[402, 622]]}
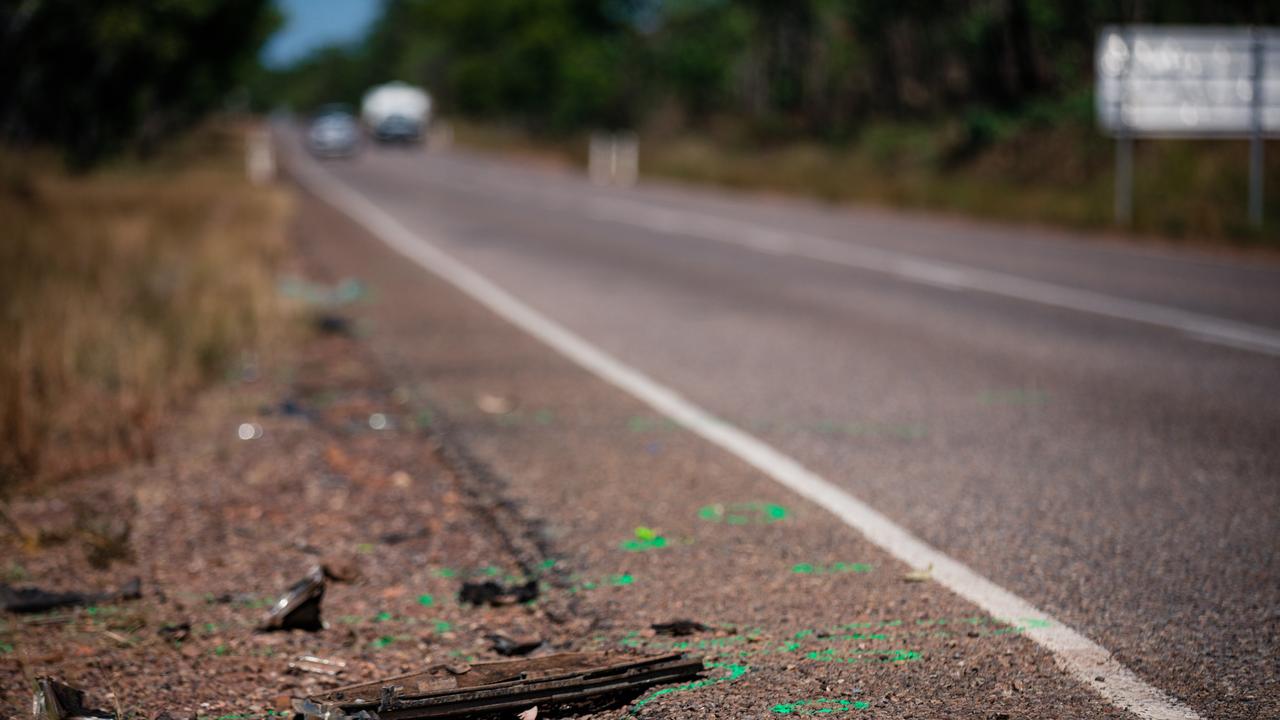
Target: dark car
{"points": [[334, 132]]}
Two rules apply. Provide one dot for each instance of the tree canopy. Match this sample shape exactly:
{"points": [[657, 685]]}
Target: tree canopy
{"points": [[94, 77]]}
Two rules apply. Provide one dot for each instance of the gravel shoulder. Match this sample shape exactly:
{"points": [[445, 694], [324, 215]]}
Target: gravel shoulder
{"points": [[432, 444]]}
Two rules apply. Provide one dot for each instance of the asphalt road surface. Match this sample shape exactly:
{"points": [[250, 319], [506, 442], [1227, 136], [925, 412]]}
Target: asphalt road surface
{"points": [[1089, 425]]}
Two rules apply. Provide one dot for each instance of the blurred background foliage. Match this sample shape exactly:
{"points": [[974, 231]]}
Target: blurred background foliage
{"points": [[824, 68], [93, 78]]}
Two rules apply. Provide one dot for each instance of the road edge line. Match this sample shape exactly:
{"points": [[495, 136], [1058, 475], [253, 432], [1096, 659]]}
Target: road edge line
{"points": [[1079, 656]]}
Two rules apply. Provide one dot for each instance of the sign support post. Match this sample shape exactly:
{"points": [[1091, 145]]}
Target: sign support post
{"points": [[1256, 144], [1124, 178]]}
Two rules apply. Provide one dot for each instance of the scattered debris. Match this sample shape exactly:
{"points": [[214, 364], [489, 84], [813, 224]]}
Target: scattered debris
{"points": [[530, 714], [57, 701], [346, 291], [481, 689], [508, 646], [317, 665], [175, 632], [496, 594], [919, 576], [249, 431], [34, 600], [378, 421], [679, 628], [395, 538], [333, 324], [495, 404], [299, 608]]}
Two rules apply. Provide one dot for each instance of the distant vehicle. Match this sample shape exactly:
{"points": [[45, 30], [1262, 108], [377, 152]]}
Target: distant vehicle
{"points": [[334, 132], [396, 112]]}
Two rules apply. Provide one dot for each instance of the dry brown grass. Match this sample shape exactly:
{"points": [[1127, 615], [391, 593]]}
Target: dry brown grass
{"points": [[1187, 190], [121, 292]]}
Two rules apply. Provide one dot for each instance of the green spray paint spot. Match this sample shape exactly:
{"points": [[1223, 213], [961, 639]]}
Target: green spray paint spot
{"points": [[645, 539], [547, 564], [382, 616], [832, 569], [620, 580], [859, 656], [442, 626], [819, 706], [426, 600], [735, 672], [221, 650], [383, 641], [743, 513]]}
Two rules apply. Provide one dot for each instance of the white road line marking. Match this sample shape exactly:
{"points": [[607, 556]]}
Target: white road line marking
{"points": [[951, 276], [1084, 659]]}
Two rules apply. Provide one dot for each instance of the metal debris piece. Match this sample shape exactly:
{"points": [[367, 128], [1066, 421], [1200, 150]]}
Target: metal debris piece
{"points": [[333, 324], [58, 701], [508, 646], [318, 665], [33, 599], [175, 632], [299, 608], [496, 594], [679, 627], [567, 680], [919, 576]]}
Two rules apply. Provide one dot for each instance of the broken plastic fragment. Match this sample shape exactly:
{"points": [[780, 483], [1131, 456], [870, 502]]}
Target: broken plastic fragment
{"points": [[299, 608], [57, 701], [679, 627], [496, 594], [508, 646]]}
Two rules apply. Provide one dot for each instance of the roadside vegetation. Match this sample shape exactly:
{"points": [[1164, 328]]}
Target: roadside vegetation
{"points": [[976, 107], [123, 290], [1192, 191]]}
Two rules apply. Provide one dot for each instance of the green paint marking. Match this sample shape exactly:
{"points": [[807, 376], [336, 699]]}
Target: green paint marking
{"points": [[383, 641], [735, 672], [382, 616], [645, 539], [860, 656], [620, 580], [832, 569], [442, 626], [445, 572], [820, 706], [221, 650], [547, 564], [426, 600], [743, 513]]}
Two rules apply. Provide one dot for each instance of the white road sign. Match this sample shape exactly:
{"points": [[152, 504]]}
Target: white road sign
{"points": [[1182, 81]]}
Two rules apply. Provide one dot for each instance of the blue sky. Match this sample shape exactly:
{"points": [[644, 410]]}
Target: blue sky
{"points": [[312, 23]]}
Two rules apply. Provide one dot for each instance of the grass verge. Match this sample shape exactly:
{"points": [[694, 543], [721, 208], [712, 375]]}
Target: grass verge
{"points": [[1047, 174], [121, 292]]}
